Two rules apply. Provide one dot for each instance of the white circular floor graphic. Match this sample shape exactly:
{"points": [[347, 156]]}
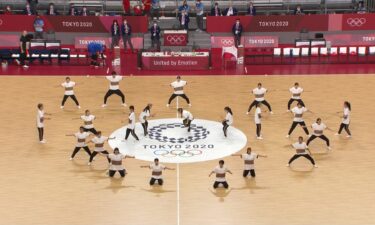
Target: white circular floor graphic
{"points": [[170, 141]]}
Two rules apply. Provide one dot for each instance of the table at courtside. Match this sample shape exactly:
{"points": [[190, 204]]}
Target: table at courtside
{"points": [[175, 38], [175, 60]]}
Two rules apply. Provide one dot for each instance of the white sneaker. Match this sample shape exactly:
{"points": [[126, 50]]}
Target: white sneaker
{"points": [[348, 136], [70, 158], [247, 113], [315, 166], [167, 105], [309, 135], [124, 104], [88, 163], [25, 66], [271, 112], [104, 105], [287, 110], [61, 107], [287, 165], [79, 107], [43, 141], [329, 148], [259, 138], [287, 136], [189, 105], [337, 134]]}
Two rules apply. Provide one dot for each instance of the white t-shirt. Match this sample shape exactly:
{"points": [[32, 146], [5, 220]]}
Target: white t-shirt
{"points": [[187, 115], [318, 129], [114, 82], [259, 93], [157, 170], [300, 148], [346, 116], [116, 161], [220, 173], [178, 86], [296, 92], [131, 124], [99, 143], [257, 115], [298, 113], [143, 116], [81, 139], [40, 119], [229, 118], [249, 160], [69, 87], [88, 121]]}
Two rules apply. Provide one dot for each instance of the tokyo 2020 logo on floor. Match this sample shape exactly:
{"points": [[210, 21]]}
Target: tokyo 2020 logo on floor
{"points": [[170, 141]]}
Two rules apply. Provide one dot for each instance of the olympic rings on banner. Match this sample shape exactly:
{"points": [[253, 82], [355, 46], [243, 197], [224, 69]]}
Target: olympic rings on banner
{"points": [[356, 22], [178, 152], [176, 39]]}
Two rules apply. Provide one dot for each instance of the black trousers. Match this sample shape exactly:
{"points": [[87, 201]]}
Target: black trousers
{"points": [[72, 97], [307, 156], [294, 124], [323, 137], [173, 96], [157, 42], [153, 180], [131, 131], [40, 133], [292, 100], [112, 172], [76, 150], [246, 173], [92, 130], [145, 127], [264, 102], [237, 40], [115, 41], [22, 58], [224, 183], [187, 123], [127, 40], [116, 92], [94, 153], [225, 127], [259, 128], [346, 127]]}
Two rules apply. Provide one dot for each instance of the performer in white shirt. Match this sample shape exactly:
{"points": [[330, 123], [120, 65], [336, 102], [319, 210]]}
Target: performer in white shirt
{"points": [[301, 150], [68, 85], [143, 118], [186, 116], [99, 141], [220, 172], [114, 88], [298, 119], [318, 128], [157, 171], [249, 158], [116, 163], [81, 142], [40, 118], [131, 124], [178, 87], [88, 119], [259, 93], [296, 91], [228, 119], [345, 119], [258, 121]]}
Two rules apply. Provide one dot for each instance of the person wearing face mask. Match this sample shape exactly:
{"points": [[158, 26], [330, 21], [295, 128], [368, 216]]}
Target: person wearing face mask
{"points": [[126, 31], [216, 11], [185, 7], [230, 11], [72, 10], [115, 30], [155, 35], [84, 11], [38, 26], [251, 11], [51, 11], [8, 10], [237, 32], [184, 20], [28, 11], [298, 11]]}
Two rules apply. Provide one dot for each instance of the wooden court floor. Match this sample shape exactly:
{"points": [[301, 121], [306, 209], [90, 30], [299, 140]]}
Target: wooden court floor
{"points": [[39, 185]]}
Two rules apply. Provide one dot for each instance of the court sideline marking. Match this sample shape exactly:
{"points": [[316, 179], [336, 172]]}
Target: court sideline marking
{"points": [[178, 179]]}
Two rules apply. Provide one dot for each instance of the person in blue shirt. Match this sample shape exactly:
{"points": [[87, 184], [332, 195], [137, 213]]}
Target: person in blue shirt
{"points": [[185, 7], [155, 8], [38, 26], [199, 9]]}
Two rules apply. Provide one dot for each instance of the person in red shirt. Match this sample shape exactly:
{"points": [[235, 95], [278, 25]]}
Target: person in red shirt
{"points": [[138, 11]]}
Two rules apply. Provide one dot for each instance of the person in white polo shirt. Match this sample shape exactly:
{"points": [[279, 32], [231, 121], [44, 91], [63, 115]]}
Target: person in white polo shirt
{"points": [[259, 93], [301, 150], [296, 91], [178, 87], [220, 172], [116, 163], [186, 116], [131, 124], [99, 141], [318, 128], [345, 119], [143, 118], [68, 85], [40, 118], [298, 119], [81, 142], [249, 159], [157, 172], [228, 119], [114, 88], [258, 121]]}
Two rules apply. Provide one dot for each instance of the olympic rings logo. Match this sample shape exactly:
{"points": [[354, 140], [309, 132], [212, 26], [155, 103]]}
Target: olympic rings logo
{"points": [[178, 152], [227, 42], [356, 22], [176, 39]]}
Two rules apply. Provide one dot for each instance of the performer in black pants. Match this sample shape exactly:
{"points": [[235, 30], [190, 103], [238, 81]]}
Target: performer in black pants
{"points": [[116, 163], [296, 91], [157, 172], [228, 119], [298, 120], [131, 125], [143, 118], [178, 87], [114, 88], [345, 119], [259, 93], [301, 150], [220, 172], [186, 116], [81, 142], [68, 85], [99, 141], [318, 129], [249, 159]]}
